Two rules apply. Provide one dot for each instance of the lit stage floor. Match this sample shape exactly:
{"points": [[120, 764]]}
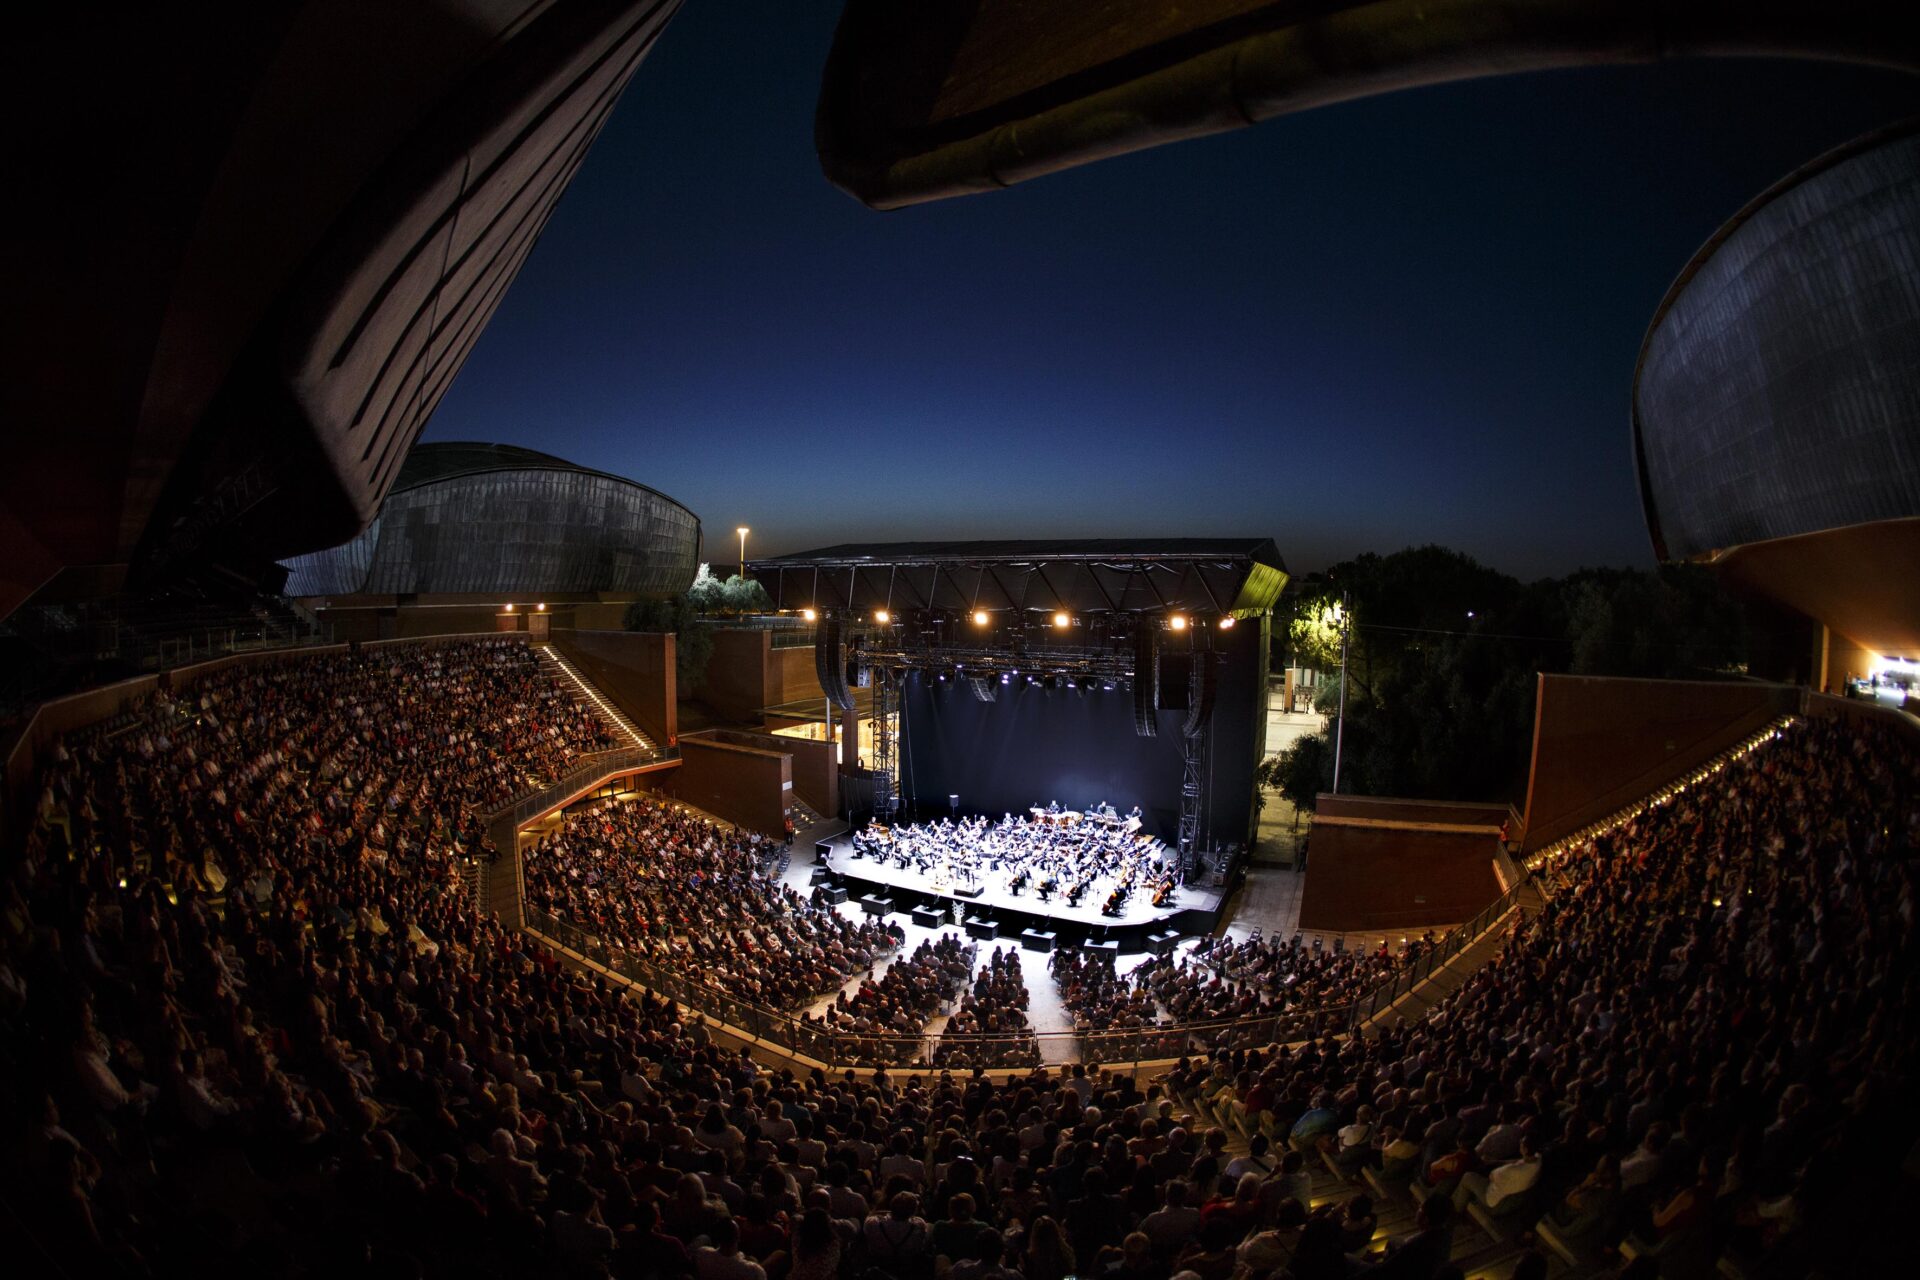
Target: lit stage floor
{"points": [[994, 898]]}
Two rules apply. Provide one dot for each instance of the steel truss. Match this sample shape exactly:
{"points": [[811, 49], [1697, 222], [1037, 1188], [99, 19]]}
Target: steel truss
{"points": [[886, 738]]}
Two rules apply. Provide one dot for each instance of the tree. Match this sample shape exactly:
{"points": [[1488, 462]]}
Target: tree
{"points": [[1444, 655], [744, 595], [693, 637], [1301, 772], [1314, 632], [707, 591]]}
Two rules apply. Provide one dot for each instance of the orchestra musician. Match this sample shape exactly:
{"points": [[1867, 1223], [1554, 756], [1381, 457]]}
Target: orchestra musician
{"points": [[1054, 851]]}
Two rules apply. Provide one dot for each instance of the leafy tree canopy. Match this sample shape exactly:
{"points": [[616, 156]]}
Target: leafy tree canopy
{"points": [[1443, 653]]}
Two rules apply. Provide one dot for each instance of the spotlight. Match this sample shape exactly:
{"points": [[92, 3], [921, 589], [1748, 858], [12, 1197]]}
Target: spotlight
{"points": [[809, 615], [882, 617], [1226, 623], [1005, 678], [543, 608], [1107, 686], [1178, 622], [980, 617], [1070, 683], [1061, 619], [509, 607]]}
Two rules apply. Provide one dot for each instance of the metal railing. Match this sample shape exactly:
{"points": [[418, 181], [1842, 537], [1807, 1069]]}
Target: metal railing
{"points": [[841, 1050], [580, 777], [1424, 965]]}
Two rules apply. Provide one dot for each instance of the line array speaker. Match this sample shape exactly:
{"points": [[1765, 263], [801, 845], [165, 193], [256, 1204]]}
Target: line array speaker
{"points": [[1203, 681], [829, 661], [1146, 680]]}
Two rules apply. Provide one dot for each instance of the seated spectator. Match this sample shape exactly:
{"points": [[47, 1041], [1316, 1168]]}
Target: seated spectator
{"points": [[898, 1241], [1501, 1190], [721, 1260]]}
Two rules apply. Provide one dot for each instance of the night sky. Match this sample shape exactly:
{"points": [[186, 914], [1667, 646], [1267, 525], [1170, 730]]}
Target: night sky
{"points": [[1404, 320]]}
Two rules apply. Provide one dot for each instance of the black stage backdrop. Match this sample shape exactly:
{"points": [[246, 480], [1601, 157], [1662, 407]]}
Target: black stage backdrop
{"points": [[1033, 744]]}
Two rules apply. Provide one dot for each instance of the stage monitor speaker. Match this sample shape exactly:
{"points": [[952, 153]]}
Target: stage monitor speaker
{"points": [[1146, 679]]}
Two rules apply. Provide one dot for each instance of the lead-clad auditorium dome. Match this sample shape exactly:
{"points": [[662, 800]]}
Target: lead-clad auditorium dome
{"points": [[1776, 406], [500, 520]]}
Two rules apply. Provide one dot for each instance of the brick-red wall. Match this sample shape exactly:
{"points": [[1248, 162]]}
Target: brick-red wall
{"points": [[1363, 879], [1600, 743], [792, 675], [736, 686], [635, 669], [746, 785]]}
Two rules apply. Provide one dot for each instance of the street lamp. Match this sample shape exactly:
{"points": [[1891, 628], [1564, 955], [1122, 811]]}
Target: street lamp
{"points": [[742, 531]]}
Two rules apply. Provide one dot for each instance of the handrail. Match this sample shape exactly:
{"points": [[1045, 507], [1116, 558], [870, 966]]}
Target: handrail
{"points": [[841, 1050], [1403, 981], [533, 803], [1540, 864]]}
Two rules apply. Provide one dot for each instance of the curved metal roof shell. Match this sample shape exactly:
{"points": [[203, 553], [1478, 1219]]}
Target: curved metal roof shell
{"points": [[943, 98], [492, 519], [1778, 388], [259, 241]]}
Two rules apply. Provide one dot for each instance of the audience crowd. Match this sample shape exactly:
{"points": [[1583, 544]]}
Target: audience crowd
{"points": [[990, 1027], [1097, 997], [885, 1017], [690, 895], [254, 1026], [1703, 1043], [1222, 978]]}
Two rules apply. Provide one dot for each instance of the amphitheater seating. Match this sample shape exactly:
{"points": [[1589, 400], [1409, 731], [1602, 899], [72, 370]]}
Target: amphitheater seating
{"points": [[256, 1025]]}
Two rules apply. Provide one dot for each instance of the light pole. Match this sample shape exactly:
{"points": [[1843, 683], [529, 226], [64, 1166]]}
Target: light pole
{"points": [[742, 531], [1340, 729]]}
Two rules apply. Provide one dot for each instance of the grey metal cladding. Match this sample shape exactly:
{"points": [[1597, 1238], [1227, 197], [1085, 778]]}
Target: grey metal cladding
{"points": [[513, 533], [1778, 391]]}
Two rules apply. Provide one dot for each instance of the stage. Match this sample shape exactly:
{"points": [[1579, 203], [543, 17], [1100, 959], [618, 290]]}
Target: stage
{"points": [[1188, 910]]}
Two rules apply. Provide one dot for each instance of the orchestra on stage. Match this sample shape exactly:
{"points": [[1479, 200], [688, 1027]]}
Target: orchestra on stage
{"points": [[1064, 855]]}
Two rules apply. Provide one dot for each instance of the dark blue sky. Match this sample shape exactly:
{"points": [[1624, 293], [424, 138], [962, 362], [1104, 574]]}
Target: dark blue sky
{"points": [[1404, 320]]}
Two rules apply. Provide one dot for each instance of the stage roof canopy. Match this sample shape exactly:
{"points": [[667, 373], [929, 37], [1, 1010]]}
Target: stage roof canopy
{"points": [[1205, 576], [950, 97]]}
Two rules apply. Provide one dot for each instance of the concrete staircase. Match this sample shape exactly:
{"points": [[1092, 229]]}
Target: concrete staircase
{"points": [[608, 709]]}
